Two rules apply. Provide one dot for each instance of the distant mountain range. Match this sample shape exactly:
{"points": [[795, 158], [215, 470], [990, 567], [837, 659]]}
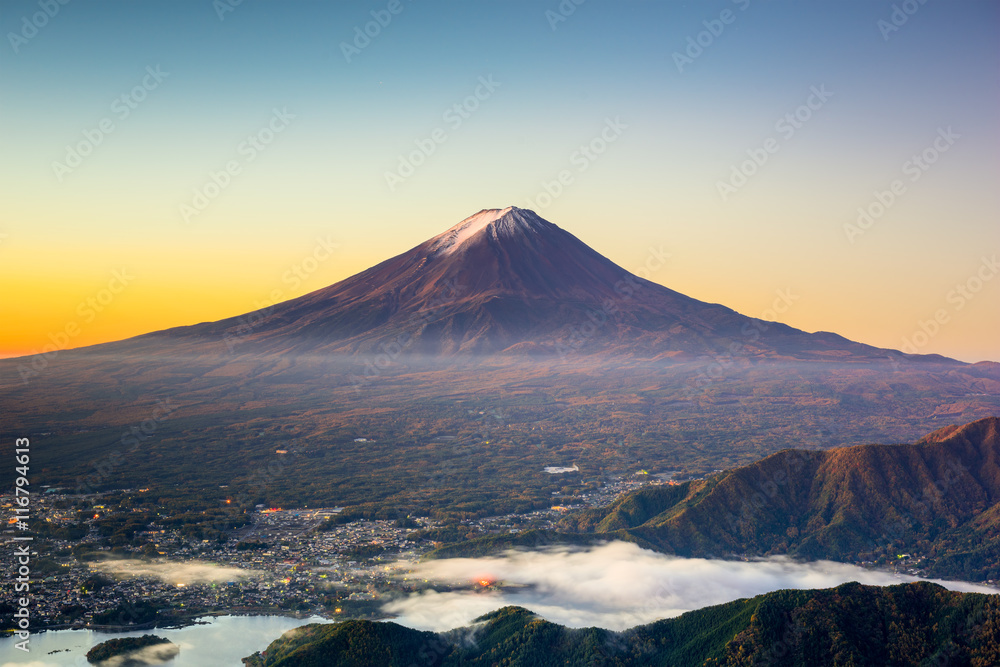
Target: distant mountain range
{"points": [[861, 626], [937, 500]]}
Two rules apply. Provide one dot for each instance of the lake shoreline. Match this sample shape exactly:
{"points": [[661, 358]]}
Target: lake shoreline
{"points": [[205, 641], [172, 624]]}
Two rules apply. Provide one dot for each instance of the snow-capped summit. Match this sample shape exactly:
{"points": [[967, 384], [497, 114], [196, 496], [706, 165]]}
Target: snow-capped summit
{"points": [[494, 221], [449, 241]]}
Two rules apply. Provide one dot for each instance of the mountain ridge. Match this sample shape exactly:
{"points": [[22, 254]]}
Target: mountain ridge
{"points": [[852, 624], [939, 496]]}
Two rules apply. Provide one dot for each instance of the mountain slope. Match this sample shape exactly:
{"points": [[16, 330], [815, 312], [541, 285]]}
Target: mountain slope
{"points": [[863, 626], [506, 279], [939, 498]]}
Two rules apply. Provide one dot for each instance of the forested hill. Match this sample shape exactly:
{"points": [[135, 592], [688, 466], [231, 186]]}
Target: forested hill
{"points": [[939, 498], [908, 624]]}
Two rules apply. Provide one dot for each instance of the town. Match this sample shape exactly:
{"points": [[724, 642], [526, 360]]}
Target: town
{"points": [[285, 561]]}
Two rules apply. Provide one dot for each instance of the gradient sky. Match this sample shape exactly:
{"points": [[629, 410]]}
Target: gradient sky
{"points": [[322, 179]]}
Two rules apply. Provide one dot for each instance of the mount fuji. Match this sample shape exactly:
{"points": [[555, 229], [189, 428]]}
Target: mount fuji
{"points": [[508, 281]]}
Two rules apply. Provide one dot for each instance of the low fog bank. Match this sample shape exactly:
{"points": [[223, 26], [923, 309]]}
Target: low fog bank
{"points": [[614, 586], [189, 572]]}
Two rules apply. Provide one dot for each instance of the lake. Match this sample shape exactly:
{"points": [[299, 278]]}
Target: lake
{"points": [[220, 643]]}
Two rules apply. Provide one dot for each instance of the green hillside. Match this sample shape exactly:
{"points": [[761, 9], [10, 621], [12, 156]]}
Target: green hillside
{"points": [[851, 625]]}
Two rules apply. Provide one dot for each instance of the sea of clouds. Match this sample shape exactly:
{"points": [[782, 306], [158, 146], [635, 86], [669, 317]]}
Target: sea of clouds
{"points": [[615, 586]]}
